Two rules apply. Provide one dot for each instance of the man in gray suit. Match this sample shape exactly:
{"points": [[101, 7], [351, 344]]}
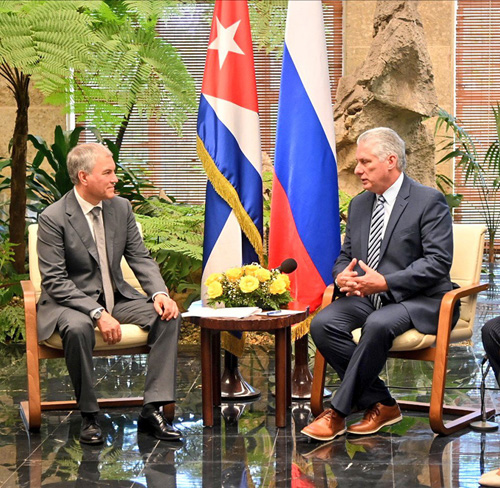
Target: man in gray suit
{"points": [[81, 241], [390, 276]]}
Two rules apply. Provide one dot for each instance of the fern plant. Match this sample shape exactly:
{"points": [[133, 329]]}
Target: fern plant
{"points": [[135, 71], [105, 54], [11, 309], [174, 235], [39, 41]]}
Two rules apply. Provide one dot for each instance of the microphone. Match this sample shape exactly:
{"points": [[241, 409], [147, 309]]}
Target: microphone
{"points": [[287, 266]]}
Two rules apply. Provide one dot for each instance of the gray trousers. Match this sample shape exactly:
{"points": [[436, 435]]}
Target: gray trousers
{"points": [[358, 365], [78, 336]]}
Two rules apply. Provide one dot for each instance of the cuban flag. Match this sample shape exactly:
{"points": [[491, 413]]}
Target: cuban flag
{"points": [[229, 144], [305, 223]]}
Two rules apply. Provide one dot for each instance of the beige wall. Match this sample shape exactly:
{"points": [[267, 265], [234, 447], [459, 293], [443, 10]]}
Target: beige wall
{"points": [[438, 19], [42, 118]]}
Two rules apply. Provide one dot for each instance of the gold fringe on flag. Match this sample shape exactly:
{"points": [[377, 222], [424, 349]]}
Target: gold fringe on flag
{"points": [[226, 191], [232, 344], [302, 328]]}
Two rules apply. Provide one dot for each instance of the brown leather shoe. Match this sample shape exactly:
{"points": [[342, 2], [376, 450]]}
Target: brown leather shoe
{"points": [[375, 418], [323, 451], [326, 426]]}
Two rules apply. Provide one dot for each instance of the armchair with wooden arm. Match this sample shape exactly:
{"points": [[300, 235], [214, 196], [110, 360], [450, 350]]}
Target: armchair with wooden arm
{"points": [[134, 341], [465, 271]]}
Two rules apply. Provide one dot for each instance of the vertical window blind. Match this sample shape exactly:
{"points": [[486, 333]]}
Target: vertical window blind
{"points": [[170, 160], [477, 89]]}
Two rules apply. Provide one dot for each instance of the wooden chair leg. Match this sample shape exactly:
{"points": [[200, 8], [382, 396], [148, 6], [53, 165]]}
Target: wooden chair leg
{"points": [[32, 409], [318, 384], [207, 389], [169, 411], [436, 408], [465, 415]]}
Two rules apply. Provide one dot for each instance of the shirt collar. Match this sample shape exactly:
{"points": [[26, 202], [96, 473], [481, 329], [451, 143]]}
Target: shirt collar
{"points": [[85, 206], [392, 192]]}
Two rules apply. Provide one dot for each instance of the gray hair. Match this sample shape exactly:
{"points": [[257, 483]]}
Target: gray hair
{"points": [[83, 158], [387, 142]]}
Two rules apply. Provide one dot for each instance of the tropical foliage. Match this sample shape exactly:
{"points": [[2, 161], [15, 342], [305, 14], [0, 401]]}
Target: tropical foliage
{"points": [[11, 309], [268, 19], [45, 186], [40, 41], [481, 165], [134, 70], [174, 235], [90, 52]]}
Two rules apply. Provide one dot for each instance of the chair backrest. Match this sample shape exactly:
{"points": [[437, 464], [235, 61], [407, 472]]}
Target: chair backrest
{"points": [[34, 270], [468, 241]]}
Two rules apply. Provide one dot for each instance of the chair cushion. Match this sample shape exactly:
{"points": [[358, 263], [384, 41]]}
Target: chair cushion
{"points": [[413, 340], [466, 269], [132, 336]]}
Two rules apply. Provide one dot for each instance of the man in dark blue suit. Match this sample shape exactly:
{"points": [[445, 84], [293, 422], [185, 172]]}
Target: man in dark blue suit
{"points": [[390, 276]]}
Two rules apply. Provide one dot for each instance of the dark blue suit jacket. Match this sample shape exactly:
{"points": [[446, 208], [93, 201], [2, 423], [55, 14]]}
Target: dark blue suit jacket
{"points": [[416, 251]]}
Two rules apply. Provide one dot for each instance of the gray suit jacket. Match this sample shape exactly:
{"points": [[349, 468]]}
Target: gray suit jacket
{"points": [[416, 252], [69, 262]]}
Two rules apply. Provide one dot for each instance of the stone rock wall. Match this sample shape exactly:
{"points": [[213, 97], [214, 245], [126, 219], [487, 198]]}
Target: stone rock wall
{"points": [[394, 87]]}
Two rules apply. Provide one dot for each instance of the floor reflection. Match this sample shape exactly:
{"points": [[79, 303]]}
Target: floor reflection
{"points": [[244, 448]]}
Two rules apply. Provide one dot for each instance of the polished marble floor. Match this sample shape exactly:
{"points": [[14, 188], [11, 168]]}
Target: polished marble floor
{"points": [[244, 449]]}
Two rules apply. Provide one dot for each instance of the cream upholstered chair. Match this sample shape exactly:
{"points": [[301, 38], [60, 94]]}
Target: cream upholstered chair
{"points": [[465, 271], [134, 341]]}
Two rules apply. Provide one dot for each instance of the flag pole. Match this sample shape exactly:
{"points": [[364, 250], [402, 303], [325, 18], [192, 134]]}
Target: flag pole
{"points": [[305, 221], [228, 145]]}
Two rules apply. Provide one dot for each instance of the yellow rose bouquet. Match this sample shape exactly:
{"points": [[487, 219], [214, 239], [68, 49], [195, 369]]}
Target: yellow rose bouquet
{"points": [[249, 286]]}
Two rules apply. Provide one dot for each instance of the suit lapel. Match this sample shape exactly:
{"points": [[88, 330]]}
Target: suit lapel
{"points": [[366, 217], [398, 209], [108, 215], [79, 223]]}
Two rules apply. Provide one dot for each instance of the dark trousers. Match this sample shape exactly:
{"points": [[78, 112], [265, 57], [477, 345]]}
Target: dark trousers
{"points": [[358, 365], [491, 341], [78, 337]]}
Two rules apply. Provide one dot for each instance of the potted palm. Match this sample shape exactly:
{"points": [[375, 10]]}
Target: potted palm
{"points": [[479, 165]]}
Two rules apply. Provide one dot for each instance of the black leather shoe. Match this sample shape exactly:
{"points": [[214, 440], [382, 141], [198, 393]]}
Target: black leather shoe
{"points": [[154, 451], [156, 424], [90, 431]]}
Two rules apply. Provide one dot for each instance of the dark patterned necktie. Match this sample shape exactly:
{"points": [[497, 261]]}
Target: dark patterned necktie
{"points": [[374, 242], [100, 241]]}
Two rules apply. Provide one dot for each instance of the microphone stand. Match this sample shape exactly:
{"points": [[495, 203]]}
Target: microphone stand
{"points": [[483, 425]]}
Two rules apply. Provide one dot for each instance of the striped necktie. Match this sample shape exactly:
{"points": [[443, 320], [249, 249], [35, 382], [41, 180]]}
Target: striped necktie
{"points": [[100, 240], [374, 242]]}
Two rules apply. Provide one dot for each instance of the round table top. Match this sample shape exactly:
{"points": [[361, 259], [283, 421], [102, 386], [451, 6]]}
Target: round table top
{"points": [[251, 323]]}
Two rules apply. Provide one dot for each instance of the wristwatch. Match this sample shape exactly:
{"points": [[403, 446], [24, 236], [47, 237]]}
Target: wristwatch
{"points": [[160, 293], [98, 314]]}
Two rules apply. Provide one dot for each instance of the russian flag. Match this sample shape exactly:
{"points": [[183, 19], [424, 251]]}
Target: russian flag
{"points": [[229, 145], [305, 223]]}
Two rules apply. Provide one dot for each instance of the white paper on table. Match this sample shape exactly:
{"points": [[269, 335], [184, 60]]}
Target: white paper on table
{"points": [[230, 312]]}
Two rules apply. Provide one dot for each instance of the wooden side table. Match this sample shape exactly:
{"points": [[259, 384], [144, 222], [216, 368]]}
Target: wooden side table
{"points": [[210, 357]]}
